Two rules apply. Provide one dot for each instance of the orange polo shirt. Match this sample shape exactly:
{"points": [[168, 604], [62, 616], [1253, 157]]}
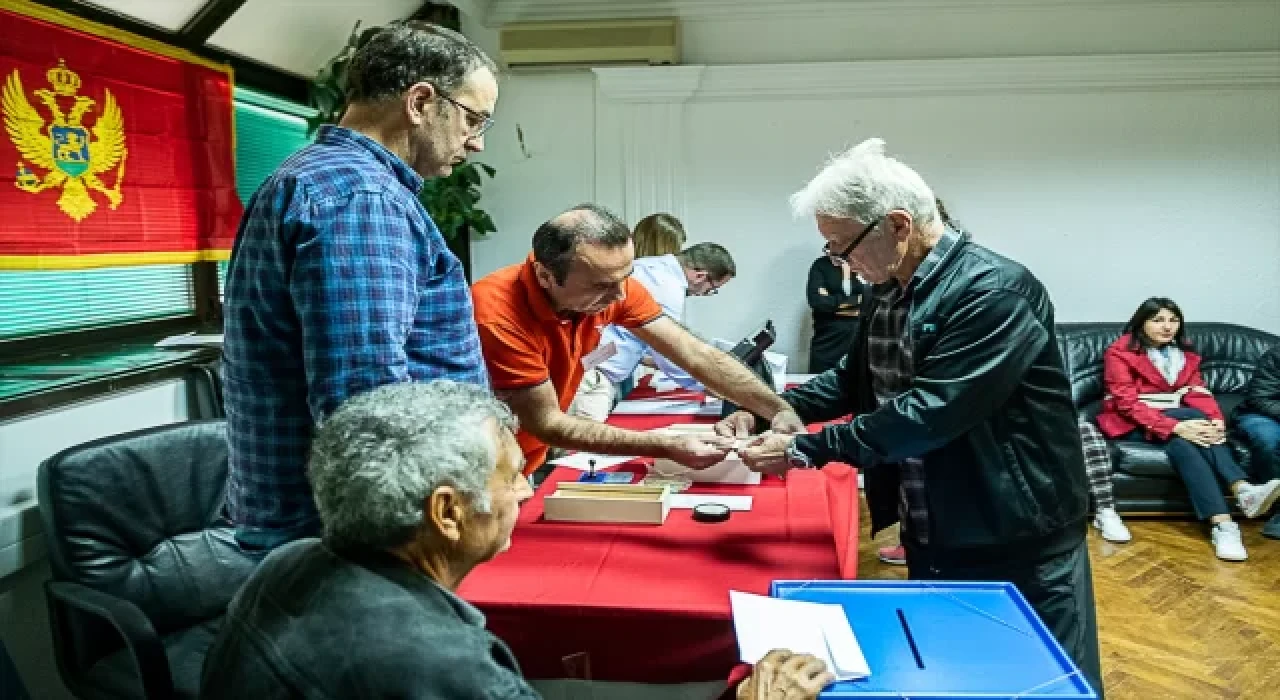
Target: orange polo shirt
{"points": [[525, 343]]}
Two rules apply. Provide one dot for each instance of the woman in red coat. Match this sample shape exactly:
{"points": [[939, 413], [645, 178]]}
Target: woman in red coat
{"points": [[1155, 393]]}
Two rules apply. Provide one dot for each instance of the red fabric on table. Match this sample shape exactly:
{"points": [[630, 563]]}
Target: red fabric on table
{"points": [[650, 603]]}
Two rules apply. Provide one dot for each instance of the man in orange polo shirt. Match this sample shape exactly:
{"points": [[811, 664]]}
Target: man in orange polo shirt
{"points": [[540, 324]]}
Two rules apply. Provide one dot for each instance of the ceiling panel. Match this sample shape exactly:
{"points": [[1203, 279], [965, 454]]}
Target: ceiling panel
{"points": [[301, 35], [168, 14]]}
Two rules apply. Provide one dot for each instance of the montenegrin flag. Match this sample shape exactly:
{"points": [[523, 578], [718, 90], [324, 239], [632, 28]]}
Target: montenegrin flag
{"points": [[115, 149]]}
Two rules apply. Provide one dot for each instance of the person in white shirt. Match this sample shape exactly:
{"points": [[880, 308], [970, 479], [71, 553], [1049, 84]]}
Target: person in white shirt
{"points": [[697, 271]]}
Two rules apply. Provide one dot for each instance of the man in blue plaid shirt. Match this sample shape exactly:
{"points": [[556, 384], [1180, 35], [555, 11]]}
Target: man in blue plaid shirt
{"points": [[340, 282]]}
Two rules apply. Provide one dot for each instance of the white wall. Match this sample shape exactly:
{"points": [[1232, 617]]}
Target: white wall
{"points": [[554, 171], [1096, 193], [1098, 172], [24, 443]]}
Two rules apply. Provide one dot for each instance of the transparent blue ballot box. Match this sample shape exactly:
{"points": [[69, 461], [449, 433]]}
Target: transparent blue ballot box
{"points": [[936, 640]]}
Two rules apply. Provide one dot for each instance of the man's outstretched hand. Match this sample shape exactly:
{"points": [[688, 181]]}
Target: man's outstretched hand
{"points": [[739, 425], [699, 451]]}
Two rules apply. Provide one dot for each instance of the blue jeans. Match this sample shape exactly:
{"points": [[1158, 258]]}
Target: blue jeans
{"points": [[1201, 468], [1262, 433]]}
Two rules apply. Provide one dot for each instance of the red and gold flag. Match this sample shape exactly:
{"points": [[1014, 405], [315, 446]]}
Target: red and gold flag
{"points": [[116, 149]]}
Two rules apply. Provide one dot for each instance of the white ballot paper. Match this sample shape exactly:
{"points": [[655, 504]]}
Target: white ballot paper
{"points": [[764, 624], [662, 382]]}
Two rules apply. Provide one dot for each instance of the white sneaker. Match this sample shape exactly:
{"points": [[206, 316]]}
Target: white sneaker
{"points": [[1257, 500], [1226, 542], [1108, 522]]}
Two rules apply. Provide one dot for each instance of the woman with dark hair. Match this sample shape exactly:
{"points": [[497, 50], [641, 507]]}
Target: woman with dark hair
{"points": [[1155, 394], [838, 297]]}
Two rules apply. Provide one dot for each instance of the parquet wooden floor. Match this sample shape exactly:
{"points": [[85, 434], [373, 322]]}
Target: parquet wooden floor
{"points": [[1174, 622]]}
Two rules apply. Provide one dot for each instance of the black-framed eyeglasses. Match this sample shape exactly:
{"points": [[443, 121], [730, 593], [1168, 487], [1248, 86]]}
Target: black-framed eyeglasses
{"points": [[844, 254], [711, 289], [483, 122]]}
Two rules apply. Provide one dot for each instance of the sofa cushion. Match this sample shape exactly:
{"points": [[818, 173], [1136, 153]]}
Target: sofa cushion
{"points": [[1141, 459]]}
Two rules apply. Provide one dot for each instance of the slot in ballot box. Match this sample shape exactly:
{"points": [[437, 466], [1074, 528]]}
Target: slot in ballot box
{"points": [[940, 640]]}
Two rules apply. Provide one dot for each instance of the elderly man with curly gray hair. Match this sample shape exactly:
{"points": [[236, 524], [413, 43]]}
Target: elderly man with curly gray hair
{"points": [[416, 485]]}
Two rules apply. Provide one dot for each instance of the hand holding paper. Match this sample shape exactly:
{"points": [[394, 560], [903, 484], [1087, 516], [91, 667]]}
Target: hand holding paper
{"points": [[699, 451], [738, 424], [788, 422], [767, 453]]}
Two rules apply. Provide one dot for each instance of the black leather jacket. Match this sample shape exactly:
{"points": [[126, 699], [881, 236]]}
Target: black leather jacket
{"points": [[989, 412], [1262, 394]]}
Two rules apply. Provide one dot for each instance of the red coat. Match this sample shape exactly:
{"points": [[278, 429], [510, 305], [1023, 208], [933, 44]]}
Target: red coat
{"points": [[1127, 373]]}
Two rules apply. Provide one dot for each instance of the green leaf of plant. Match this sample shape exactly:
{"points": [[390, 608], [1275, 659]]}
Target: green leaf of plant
{"points": [[483, 223]]}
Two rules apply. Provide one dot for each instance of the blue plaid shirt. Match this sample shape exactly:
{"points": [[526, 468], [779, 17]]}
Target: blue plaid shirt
{"points": [[339, 283]]}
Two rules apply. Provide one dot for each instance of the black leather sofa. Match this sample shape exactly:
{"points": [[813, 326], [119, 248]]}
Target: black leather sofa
{"points": [[1144, 481]]}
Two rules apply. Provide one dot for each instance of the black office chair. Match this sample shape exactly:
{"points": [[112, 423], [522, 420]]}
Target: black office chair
{"points": [[204, 389], [144, 563], [11, 686]]}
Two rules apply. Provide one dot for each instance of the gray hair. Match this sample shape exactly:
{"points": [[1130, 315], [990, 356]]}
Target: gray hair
{"points": [[865, 184], [378, 457], [406, 53], [711, 257], [556, 240]]}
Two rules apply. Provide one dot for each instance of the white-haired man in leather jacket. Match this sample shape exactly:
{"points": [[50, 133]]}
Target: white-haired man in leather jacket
{"points": [[964, 424]]}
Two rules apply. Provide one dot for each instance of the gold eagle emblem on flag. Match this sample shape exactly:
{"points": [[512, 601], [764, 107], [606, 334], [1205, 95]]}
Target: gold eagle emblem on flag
{"points": [[74, 161]]}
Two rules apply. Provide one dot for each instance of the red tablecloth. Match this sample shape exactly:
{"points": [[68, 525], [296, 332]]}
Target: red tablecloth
{"points": [[650, 603]]}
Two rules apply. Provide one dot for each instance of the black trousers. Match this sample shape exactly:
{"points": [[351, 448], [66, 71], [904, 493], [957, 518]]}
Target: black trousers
{"points": [[1060, 588]]}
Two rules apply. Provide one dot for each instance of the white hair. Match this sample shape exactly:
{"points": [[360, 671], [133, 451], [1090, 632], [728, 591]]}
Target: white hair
{"points": [[378, 457], [865, 184]]}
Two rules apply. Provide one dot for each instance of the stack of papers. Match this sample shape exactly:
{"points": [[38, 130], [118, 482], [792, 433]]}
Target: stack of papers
{"points": [[764, 624], [662, 382]]}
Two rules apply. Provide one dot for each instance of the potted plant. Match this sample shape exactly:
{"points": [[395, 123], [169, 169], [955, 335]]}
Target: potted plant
{"points": [[451, 201]]}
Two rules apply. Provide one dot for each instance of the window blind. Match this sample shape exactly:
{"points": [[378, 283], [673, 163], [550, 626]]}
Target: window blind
{"points": [[268, 130], [41, 302]]}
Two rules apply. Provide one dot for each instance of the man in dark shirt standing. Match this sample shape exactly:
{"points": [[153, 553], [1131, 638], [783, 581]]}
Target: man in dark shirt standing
{"points": [[339, 281], [1257, 421]]}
